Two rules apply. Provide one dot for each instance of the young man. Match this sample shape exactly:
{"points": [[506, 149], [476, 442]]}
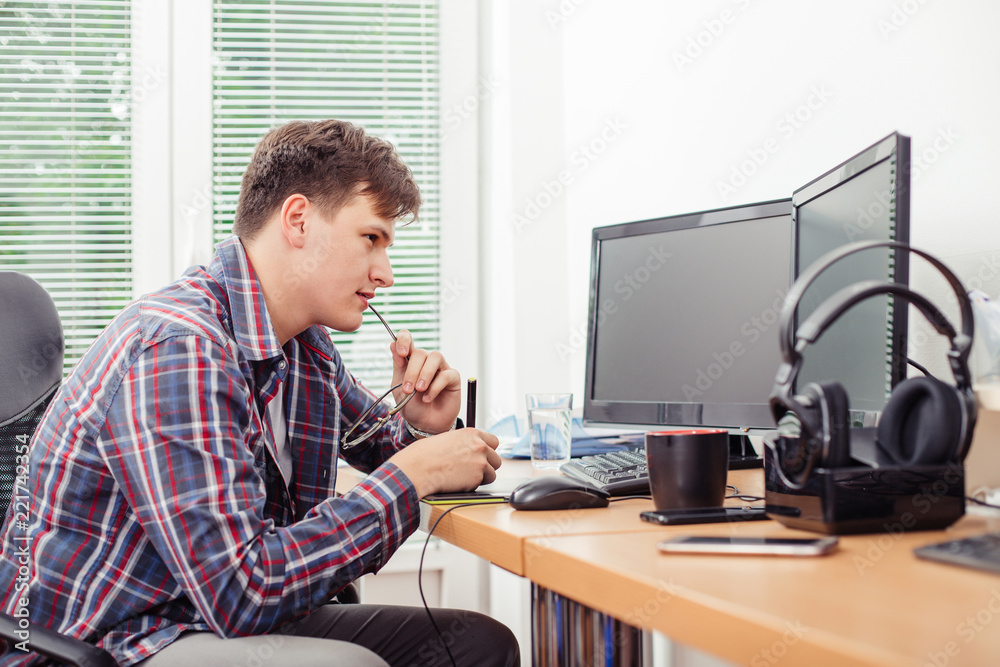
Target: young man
{"points": [[183, 507]]}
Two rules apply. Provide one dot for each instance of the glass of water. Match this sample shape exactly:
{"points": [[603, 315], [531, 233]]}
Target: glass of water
{"points": [[549, 421]]}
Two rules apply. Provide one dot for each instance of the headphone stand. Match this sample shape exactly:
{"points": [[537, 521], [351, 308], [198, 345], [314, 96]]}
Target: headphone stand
{"points": [[864, 499]]}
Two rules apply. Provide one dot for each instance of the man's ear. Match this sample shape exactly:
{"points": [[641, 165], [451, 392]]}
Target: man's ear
{"points": [[294, 217]]}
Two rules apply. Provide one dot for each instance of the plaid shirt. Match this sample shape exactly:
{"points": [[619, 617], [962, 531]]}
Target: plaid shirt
{"points": [[154, 502]]}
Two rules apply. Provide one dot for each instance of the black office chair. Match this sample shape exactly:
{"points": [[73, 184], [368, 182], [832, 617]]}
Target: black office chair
{"points": [[31, 359]]}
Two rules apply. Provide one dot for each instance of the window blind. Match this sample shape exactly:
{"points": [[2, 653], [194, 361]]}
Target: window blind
{"points": [[372, 63], [65, 142]]}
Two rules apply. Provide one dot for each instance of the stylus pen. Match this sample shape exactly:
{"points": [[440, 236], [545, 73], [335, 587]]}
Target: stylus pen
{"points": [[470, 404]]}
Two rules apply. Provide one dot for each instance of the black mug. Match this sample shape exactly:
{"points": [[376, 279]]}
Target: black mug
{"points": [[687, 468]]}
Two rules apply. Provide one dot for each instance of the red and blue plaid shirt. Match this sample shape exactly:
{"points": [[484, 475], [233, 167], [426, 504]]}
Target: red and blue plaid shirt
{"points": [[154, 502]]}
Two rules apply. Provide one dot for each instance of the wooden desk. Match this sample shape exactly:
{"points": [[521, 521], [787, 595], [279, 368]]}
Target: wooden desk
{"points": [[499, 533], [871, 603]]}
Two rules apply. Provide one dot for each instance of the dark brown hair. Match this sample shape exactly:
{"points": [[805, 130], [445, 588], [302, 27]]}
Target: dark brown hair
{"points": [[329, 162]]}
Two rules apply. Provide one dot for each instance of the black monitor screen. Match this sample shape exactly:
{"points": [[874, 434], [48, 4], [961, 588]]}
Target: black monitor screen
{"points": [[683, 317], [863, 199]]}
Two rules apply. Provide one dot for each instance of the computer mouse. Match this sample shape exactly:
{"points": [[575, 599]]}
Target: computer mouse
{"points": [[556, 492]]}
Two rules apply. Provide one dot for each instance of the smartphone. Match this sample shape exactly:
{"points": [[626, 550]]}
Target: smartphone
{"points": [[703, 515], [750, 546]]}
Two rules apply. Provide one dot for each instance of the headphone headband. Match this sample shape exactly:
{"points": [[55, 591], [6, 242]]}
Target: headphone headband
{"points": [[786, 335], [830, 310]]}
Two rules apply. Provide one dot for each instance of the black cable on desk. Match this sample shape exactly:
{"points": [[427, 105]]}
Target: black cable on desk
{"points": [[420, 569], [982, 502], [742, 496]]}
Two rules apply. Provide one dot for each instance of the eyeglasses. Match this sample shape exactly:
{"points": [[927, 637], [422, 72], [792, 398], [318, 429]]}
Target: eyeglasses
{"points": [[381, 421]]}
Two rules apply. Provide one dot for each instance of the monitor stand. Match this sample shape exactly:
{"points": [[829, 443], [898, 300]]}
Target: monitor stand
{"points": [[742, 455]]}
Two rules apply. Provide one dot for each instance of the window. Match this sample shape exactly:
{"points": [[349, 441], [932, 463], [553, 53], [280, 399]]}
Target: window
{"points": [[65, 159], [371, 63]]}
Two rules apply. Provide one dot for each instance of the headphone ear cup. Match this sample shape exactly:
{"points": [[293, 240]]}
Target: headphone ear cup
{"points": [[831, 400], [921, 423], [790, 449]]}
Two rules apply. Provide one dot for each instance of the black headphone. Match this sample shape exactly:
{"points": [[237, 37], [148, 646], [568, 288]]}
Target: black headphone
{"points": [[925, 421]]}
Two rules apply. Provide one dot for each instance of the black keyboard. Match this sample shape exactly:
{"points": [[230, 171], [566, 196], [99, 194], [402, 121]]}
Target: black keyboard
{"points": [[625, 474], [981, 552]]}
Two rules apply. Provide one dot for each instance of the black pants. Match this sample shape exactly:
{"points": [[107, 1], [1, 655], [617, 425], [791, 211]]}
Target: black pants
{"points": [[356, 635]]}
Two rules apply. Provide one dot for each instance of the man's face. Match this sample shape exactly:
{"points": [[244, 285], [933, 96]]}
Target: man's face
{"points": [[351, 260]]}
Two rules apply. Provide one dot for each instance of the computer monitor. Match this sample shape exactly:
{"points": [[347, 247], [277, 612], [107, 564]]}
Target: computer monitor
{"points": [[866, 198], [683, 318], [684, 309]]}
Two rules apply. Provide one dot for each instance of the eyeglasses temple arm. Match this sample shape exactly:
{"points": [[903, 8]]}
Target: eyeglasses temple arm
{"points": [[386, 324]]}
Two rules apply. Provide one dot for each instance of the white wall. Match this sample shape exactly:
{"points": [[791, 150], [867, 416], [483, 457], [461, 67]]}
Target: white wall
{"points": [[620, 110]]}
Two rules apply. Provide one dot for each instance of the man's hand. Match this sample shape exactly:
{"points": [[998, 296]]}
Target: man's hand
{"points": [[438, 386], [458, 460]]}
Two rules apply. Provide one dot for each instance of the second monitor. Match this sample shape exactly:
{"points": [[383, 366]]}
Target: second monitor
{"points": [[683, 317]]}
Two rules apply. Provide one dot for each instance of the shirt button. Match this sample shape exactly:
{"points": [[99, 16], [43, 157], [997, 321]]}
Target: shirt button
{"points": [[281, 365]]}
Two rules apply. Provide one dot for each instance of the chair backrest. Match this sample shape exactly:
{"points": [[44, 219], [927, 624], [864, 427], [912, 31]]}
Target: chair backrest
{"points": [[31, 360]]}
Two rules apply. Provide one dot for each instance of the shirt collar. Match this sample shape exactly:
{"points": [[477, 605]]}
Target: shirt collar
{"points": [[251, 321]]}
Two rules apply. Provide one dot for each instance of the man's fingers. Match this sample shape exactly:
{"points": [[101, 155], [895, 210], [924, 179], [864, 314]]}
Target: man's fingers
{"points": [[489, 476], [423, 370], [493, 458], [447, 378], [412, 370], [403, 344], [490, 439]]}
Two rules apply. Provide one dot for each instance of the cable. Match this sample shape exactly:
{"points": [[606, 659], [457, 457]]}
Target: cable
{"points": [[919, 367], [617, 498], [420, 569], [982, 502], [742, 496], [745, 498]]}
